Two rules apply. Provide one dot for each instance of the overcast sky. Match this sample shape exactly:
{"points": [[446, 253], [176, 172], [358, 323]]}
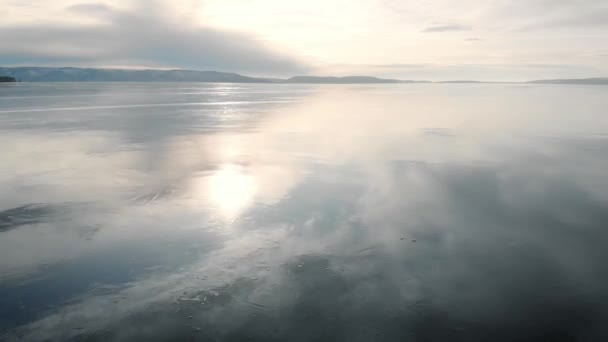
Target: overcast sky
{"points": [[410, 39]]}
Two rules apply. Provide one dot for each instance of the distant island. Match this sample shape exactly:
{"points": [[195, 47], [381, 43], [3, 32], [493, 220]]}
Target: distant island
{"points": [[7, 79], [345, 80], [463, 81], [590, 81], [69, 74]]}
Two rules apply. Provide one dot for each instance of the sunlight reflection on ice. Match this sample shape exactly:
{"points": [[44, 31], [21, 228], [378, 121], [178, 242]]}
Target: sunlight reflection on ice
{"points": [[230, 190]]}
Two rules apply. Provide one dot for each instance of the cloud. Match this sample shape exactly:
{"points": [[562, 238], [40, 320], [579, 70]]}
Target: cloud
{"points": [[149, 35], [90, 8], [400, 66], [553, 14], [586, 20], [446, 28]]}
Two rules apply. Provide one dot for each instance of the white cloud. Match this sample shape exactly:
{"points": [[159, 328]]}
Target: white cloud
{"points": [[446, 28]]}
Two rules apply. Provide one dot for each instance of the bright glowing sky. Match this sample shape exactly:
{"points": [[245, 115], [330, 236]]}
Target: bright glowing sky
{"points": [[411, 39]]}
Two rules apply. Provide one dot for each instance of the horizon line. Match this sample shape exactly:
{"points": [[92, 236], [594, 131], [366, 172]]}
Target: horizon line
{"points": [[286, 79]]}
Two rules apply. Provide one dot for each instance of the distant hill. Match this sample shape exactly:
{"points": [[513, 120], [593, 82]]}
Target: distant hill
{"points": [[344, 80], [590, 81], [69, 74], [461, 81], [44, 74], [7, 79]]}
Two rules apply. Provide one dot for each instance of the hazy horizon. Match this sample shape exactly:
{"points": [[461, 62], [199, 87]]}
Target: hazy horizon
{"points": [[604, 80]]}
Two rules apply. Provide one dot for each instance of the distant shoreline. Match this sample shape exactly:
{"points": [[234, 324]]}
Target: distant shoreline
{"points": [[7, 79], [70, 74]]}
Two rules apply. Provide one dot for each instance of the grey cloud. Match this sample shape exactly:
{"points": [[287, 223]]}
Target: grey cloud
{"points": [[543, 14], [401, 66], [446, 28], [141, 36], [585, 20], [593, 19], [90, 8]]}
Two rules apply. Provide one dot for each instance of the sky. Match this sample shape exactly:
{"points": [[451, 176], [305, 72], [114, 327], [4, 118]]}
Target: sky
{"points": [[409, 39]]}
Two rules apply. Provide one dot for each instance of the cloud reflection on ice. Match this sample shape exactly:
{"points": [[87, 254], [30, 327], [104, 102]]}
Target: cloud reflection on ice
{"points": [[358, 213]]}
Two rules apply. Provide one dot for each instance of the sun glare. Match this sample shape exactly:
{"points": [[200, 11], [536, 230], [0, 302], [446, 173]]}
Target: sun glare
{"points": [[230, 190]]}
